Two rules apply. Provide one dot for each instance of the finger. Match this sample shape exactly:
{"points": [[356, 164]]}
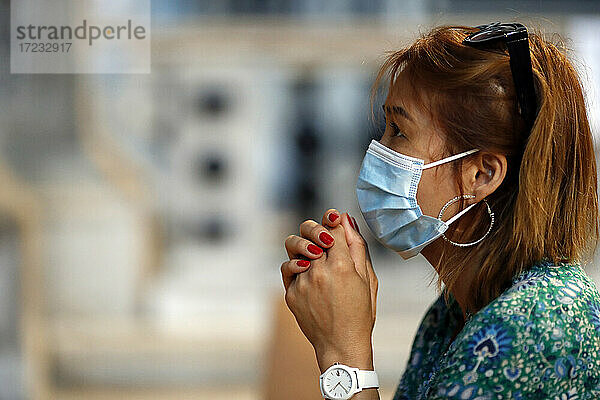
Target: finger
{"points": [[289, 270], [340, 248], [356, 246], [370, 270], [295, 246], [331, 218], [373, 281], [316, 233]]}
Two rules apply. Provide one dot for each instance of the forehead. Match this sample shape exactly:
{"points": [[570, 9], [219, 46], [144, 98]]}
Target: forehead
{"points": [[402, 92]]}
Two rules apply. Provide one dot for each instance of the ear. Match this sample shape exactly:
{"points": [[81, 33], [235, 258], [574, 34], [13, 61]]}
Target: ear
{"points": [[484, 174]]}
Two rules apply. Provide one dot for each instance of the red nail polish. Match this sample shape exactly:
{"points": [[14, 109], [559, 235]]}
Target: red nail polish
{"points": [[303, 263], [332, 217], [350, 221], [316, 250], [326, 238]]}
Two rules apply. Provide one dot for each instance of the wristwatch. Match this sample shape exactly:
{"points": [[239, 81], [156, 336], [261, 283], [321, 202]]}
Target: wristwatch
{"points": [[341, 382]]}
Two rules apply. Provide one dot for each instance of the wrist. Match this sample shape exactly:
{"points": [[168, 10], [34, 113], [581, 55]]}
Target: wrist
{"points": [[356, 358]]}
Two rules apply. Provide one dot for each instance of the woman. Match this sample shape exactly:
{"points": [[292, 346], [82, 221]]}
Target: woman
{"points": [[487, 168]]}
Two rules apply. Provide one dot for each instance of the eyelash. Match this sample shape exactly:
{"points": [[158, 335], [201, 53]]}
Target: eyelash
{"points": [[396, 130]]}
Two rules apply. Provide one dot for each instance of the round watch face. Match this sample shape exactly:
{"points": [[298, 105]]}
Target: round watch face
{"points": [[337, 383]]}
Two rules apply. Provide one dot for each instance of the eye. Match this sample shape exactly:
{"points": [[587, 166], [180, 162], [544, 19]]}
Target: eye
{"points": [[396, 130]]}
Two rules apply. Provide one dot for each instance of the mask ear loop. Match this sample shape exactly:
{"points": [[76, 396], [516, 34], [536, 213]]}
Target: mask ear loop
{"points": [[448, 159], [460, 214]]}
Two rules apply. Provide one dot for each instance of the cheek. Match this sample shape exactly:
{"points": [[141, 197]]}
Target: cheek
{"points": [[434, 191]]}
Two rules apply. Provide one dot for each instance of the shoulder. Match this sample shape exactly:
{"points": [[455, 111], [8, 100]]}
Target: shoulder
{"points": [[539, 339], [547, 298], [547, 289]]}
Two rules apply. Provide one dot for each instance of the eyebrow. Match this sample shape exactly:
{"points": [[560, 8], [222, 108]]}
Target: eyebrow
{"points": [[397, 110]]}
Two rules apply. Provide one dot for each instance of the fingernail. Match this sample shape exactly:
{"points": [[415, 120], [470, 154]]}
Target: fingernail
{"points": [[355, 225], [303, 263], [316, 250], [326, 238], [332, 217], [350, 221]]}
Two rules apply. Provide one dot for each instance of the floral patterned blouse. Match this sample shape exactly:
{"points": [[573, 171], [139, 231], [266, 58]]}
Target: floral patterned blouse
{"points": [[540, 339]]}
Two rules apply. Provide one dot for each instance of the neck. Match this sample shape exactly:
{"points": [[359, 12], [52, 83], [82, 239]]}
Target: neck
{"points": [[462, 287]]}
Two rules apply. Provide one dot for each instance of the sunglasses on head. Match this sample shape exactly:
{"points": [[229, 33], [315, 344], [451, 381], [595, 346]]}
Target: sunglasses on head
{"points": [[514, 36]]}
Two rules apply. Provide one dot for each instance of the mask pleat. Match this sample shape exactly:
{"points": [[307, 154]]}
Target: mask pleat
{"points": [[379, 220], [390, 179], [372, 198], [415, 233]]}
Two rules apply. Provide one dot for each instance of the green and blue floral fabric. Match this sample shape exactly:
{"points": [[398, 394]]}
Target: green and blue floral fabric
{"points": [[540, 339]]}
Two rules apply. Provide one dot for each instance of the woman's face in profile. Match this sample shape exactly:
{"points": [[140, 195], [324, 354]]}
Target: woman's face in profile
{"points": [[410, 131]]}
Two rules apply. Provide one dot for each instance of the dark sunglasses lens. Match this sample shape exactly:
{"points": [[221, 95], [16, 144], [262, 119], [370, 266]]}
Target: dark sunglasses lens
{"points": [[492, 32]]}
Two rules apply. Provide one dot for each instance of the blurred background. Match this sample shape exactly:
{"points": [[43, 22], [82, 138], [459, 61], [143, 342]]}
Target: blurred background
{"points": [[143, 217]]}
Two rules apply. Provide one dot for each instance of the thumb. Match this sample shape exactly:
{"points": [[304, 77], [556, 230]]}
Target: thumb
{"points": [[356, 245]]}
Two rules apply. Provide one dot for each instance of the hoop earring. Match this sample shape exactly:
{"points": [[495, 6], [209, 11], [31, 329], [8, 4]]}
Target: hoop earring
{"points": [[454, 200]]}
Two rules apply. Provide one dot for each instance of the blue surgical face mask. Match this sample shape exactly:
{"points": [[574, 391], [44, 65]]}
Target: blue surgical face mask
{"points": [[387, 196]]}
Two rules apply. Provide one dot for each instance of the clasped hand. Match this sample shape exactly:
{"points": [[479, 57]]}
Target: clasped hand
{"points": [[333, 296]]}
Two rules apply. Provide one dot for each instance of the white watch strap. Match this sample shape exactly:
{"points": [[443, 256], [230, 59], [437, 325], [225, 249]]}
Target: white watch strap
{"points": [[367, 379]]}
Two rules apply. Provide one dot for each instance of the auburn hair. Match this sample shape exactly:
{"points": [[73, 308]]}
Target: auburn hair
{"points": [[547, 206]]}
